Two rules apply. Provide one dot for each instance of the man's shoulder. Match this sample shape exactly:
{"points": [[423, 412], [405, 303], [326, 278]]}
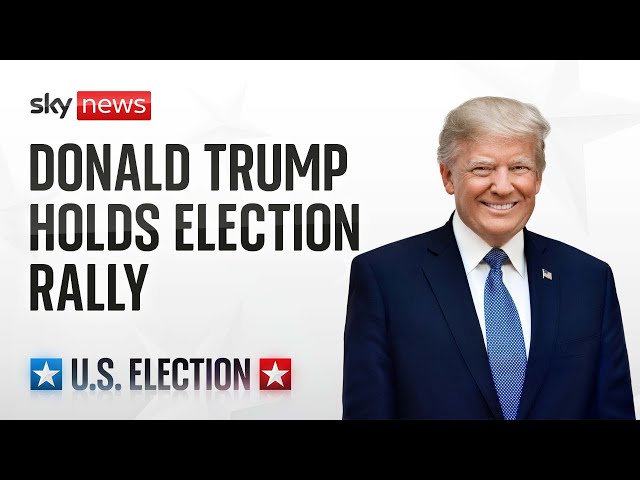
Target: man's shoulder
{"points": [[408, 248], [567, 253]]}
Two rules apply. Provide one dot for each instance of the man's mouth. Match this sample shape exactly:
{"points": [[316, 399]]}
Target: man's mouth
{"points": [[498, 206]]}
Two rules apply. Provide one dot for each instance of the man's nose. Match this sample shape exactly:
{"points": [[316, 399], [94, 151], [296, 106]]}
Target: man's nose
{"points": [[501, 182]]}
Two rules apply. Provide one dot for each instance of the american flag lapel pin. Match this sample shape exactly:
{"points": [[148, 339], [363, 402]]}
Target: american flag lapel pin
{"points": [[547, 274]]}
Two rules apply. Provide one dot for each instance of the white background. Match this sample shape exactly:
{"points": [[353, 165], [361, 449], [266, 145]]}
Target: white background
{"points": [[387, 114]]}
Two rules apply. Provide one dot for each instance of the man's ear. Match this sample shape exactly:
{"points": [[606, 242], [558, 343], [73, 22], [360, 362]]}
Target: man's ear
{"points": [[447, 179], [538, 182]]}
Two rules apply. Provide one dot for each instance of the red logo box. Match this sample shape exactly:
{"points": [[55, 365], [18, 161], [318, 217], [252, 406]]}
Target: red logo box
{"points": [[275, 374], [114, 105]]}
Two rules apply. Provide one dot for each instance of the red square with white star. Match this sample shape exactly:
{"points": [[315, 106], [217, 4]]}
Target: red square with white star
{"points": [[275, 374]]}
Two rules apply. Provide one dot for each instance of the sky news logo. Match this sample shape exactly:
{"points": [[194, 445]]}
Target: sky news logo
{"points": [[162, 374], [97, 105]]}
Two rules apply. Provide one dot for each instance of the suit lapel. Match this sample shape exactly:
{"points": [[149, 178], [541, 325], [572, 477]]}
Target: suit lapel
{"points": [[445, 273], [544, 296]]}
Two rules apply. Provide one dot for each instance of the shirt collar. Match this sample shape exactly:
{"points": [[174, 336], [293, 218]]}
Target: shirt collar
{"points": [[473, 248]]}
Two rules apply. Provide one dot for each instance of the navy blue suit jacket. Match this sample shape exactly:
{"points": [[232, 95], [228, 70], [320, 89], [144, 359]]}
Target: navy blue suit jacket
{"points": [[413, 348]]}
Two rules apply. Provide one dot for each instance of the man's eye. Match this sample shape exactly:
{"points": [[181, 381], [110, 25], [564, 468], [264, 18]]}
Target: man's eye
{"points": [[521, 168], [482, 170]]}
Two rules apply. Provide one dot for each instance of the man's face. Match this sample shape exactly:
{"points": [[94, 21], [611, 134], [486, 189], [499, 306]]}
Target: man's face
{"points": [[495, 182]]}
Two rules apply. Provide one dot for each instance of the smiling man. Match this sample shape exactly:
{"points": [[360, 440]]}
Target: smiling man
{"points": [[482, 318]]}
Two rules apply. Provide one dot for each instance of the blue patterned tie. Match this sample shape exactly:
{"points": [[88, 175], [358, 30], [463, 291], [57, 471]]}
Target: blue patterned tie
{"points": [[505, 342]]}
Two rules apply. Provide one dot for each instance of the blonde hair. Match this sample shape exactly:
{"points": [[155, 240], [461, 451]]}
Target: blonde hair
{"points": [[498, 116]]}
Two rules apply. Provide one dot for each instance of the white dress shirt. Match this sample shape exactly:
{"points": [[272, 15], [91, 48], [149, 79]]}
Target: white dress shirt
{"points": [[514, 273]]}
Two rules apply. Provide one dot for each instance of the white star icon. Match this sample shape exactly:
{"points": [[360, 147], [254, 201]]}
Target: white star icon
{"points": [[46, 375], [275, 375]]}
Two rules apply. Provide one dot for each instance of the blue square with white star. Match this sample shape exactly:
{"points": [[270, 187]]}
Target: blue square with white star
{"points": [[46, 374]]}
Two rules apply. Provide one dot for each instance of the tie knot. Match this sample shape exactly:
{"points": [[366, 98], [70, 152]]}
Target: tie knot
{"points": [[495, 258]]}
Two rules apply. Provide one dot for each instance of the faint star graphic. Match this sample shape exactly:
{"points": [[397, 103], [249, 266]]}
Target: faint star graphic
{"points": [[14, 206], [343, 270], [7, 185], [577, 117], [223, 122]]}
